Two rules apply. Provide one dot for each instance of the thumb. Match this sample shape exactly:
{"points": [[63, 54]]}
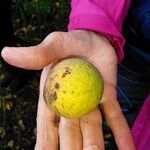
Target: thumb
{"points": [[33, 57]]}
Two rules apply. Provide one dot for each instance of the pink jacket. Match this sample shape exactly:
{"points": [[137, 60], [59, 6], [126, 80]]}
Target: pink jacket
{"points": [[107, 16], [103, 16]]}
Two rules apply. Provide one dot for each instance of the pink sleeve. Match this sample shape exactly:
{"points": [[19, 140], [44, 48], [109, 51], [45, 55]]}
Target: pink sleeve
{"points": [[102, 16], [141, 127]]}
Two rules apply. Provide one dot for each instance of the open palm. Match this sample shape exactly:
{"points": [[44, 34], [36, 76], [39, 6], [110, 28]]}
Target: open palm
{"points": [[75, 134]]}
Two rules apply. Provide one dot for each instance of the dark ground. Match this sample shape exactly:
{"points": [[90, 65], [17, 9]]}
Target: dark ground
{"points": [[32, 21]]}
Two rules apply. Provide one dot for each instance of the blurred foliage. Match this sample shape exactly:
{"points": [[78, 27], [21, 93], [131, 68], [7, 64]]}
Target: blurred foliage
{"points": [[37, 6], [18, 117], [37, 18]]}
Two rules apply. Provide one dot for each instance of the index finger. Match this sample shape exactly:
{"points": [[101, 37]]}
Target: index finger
{"points": [[116, 120], [47, 130]]}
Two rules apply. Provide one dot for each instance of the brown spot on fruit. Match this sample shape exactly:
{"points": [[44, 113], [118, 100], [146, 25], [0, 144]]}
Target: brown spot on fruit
{"points": [[67, 68], [53, 96], [62, 105], [56, 120], [67, 71], [64, 74], [51, 79], [57, 86]]}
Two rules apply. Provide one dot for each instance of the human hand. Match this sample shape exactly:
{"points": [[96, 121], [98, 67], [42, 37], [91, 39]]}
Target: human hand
{"points": [[84, 133]]}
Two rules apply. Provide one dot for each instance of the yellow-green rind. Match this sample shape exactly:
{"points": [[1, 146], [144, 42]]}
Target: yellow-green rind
{"points": [[73, 88]]}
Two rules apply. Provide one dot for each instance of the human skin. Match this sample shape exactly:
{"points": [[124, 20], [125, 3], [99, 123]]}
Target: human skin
{"points": [[84, 133]]}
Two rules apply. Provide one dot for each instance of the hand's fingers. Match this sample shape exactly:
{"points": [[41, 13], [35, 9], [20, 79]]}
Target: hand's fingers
{"points": [[116, 120], [92, 147], [47, 129], [70, 134], [91, 127], [47, 121], [35, 57], [56, 45]]}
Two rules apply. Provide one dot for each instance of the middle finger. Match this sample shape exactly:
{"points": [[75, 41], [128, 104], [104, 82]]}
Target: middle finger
{"points": [[91, 127], [70, 134]]}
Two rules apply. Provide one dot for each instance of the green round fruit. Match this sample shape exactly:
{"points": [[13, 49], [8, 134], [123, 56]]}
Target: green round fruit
{"points": [[73, 88]]}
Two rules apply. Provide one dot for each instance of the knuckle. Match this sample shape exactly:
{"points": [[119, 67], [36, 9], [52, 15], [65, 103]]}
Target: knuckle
{"points": [[54, 37], [69, 123]]}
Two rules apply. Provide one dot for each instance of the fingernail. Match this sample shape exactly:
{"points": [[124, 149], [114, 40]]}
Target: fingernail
{"points": [[10, 54], [5, 52], [91, 147]]}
